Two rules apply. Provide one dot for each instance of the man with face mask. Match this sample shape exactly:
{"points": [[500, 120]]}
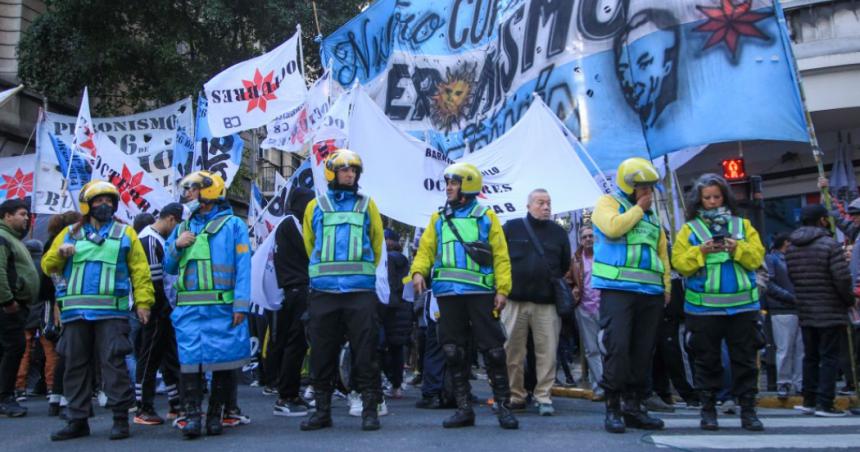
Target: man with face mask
{"points": [[465, 252], [342, 230], [211, 255], [19, 288], [101, 260]]}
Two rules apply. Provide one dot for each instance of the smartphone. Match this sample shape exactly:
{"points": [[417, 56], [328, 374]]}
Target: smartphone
{"points": [[719, 238]]}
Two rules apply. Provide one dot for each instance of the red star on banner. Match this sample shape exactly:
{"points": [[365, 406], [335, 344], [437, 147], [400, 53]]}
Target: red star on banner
{"points": [[17, 186], [264, 87], [130, 183], [729, 22]]}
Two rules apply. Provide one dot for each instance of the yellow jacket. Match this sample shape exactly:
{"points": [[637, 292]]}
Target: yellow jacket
{"points": [[688, 259], [426, 256], [614, 225], [135, 259]]}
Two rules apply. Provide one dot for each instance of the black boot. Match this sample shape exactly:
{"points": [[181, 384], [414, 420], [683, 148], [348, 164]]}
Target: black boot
{"points": [[465, 415], [497, 370], [120, 429], [214, 414], [613, 423], [75, 428], [749, 420], [635, 415], [321, 418], [709, 411], [192, 394], [369, 416]]}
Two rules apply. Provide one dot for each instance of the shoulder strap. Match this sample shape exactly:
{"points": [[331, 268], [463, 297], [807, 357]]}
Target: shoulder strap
{"points": [[215, 225], [736, 227], [361, 203], [623, 201], [117, 231], [478, 211], [700, 230], [536, 244], [77, 235], [324, 203]]}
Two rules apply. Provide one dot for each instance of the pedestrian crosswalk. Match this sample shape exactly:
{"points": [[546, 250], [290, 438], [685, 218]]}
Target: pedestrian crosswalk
{"points": [[783, 430]]}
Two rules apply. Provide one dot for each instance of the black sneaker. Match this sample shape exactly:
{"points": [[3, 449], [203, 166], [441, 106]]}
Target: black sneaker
{"points": [[290, 408], [11, 408], [147, 416], [783, 391], [517, 406], [821, 411]]}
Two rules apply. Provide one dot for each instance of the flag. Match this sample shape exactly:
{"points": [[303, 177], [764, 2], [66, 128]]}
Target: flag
{"points": [[405, 176], [292, 129], [843, 182], [16, 177], [222, 155], [83, 138], [265, 292], [61, 171], [331, 134], [254, 92], [183, 153], [630, 78], [255, 210]]}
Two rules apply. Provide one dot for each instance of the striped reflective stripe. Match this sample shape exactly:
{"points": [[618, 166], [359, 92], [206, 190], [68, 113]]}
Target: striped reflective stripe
{"points": [[637, 275], [201, 297], [465, 276], [94, 302], [342, 268], [722, 300]]}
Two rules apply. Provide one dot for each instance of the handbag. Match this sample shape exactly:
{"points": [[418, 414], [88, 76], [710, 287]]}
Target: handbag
{"points": [[480, 252], [561, 292]]}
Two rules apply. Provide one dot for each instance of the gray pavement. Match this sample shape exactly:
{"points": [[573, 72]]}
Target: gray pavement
{"points": [[576, 426]]}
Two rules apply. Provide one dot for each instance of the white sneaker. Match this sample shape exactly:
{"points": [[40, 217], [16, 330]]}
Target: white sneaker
{"points": [[805, 409], [382, 409], [355, 405]]}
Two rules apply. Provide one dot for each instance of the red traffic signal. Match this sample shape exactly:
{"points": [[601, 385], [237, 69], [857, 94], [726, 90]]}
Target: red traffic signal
{"points": [[733, 169]]}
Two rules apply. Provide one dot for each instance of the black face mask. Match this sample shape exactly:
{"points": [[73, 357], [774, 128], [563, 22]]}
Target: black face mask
{"points": [[102, 213]]}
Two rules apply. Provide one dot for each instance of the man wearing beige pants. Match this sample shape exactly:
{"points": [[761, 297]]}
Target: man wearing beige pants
{"points": [[531, 305]]}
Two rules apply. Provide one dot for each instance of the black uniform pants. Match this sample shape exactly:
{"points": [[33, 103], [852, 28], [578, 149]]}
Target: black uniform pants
{"points": [[333, 316], [157, 349], [743, 336], [12, 345], [83, 341], [465, 317], [820, 364], [287, 331], [628, 332]]}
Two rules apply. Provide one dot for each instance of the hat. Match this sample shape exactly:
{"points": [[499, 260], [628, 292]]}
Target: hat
{"points": [[812, 212], [173, 209], [854, 207], [391, 235]]}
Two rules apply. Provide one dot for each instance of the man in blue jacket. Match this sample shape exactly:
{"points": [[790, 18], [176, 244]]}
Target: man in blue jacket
{"points": [[211, 255]]}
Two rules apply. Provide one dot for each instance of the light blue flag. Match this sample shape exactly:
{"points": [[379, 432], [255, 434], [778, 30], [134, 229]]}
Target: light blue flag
{"points": [[628, 78], [219, 155]]}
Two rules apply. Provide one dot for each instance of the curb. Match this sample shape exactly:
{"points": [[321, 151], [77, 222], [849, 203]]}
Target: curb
{"points": [[766, 400]]}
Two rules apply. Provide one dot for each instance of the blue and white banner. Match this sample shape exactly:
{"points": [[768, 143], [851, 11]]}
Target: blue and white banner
{"points": [[627, 77], [222, 155]]}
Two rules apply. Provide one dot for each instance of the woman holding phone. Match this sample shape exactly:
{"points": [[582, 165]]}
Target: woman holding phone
{"points": [[718, 252]]}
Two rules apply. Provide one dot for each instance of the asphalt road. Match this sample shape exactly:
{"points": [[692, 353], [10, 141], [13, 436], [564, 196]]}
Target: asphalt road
{"points": [[577, 425]]}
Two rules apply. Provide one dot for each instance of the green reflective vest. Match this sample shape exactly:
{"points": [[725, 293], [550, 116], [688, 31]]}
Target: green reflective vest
{"points": [[453, 264], [197, 259], [106, 255], [629, 250], [334, 223], [718, 292]]}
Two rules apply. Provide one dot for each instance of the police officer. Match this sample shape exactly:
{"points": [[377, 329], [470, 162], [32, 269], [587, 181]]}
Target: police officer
{"points": [[100, 260], [718, 253], [631, 269], [465, 252], [210, 253], [343, 237]]}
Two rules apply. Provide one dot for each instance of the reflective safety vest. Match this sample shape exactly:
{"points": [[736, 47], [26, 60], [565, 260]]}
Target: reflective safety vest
{"points": [[724, 282], [453, 264], [333, 221], [197, 259], [624, 258], [106, 256]]}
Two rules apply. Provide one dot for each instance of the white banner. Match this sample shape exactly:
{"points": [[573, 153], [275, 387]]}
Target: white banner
{"points": [[16, 176], [332, 134], [254, 92], [139, 192], [292, 129], [404, 175], [265, 292], [148, 136]]}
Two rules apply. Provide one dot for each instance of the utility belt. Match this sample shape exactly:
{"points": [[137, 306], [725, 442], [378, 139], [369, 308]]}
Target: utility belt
{"points": [[204, 297], [459, 275]]}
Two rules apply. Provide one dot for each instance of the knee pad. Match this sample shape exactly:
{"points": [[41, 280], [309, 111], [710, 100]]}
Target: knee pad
{"points": [[453, 353], [496, 356]]}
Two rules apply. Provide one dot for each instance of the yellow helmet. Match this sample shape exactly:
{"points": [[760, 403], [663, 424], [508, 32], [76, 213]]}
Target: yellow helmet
{"points": [[211, 185], [633, 172], [340, 159], [471, 181], [93, 189]]}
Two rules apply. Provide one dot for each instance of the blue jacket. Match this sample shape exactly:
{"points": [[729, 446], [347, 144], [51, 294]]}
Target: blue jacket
{"points": [[779, 298], [205, 337]]}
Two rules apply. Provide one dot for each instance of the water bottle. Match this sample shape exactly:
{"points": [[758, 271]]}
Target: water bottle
{"points": [[59, 282]]}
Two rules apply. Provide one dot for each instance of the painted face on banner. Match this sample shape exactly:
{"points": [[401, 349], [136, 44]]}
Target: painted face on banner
{"points": [[647, 68]]}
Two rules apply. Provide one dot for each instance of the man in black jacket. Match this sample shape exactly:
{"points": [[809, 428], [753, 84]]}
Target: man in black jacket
{"points": [[822, 283], [288, 344], [532, 303]]}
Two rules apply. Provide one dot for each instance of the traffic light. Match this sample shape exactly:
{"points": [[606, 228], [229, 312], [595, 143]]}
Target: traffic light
{"points": [[733, 169]]}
